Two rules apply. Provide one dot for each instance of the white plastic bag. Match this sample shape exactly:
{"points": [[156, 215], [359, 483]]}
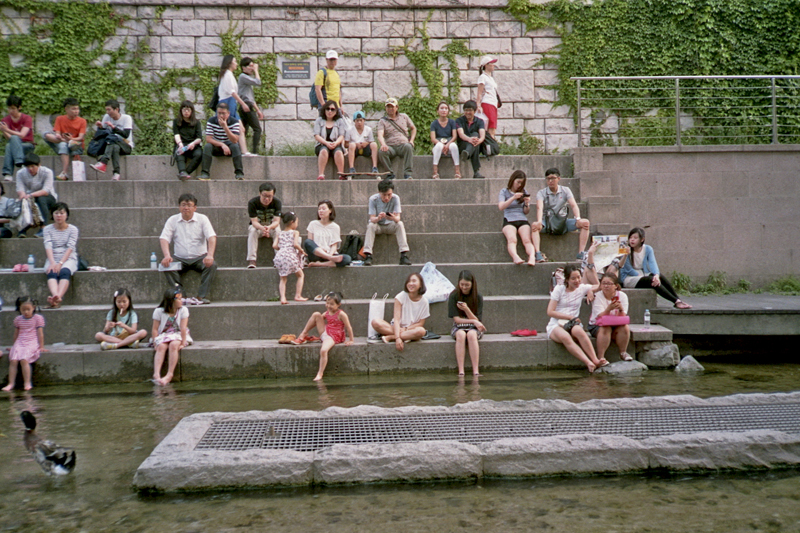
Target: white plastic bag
{"points": [[25, 218], [438, 287], [376, 308], [78, 171]]}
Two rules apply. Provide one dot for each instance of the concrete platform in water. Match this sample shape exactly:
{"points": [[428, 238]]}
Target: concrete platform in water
{"points": [[479, 439]]}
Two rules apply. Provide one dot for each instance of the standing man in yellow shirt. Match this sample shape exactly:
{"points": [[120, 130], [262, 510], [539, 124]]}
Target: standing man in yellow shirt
{"points": [[327, 83]]}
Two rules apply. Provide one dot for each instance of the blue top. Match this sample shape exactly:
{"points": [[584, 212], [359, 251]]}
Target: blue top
{"points": [[445, 132], [648, 267]]}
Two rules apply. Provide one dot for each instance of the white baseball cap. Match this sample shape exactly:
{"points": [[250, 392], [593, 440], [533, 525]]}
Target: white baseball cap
{"points": [[485, 60], [331, 55]]}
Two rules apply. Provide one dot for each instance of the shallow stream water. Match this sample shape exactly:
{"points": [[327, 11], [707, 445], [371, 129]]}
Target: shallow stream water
{"points": [[115, 427]]}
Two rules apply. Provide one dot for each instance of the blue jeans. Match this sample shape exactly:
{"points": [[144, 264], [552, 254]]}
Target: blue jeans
{"points": [[15, 154]]}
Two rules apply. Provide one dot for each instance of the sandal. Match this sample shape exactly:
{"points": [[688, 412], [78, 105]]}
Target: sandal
{"points": [[62, 177], [286, 339], [435, 177], [321, 177], [299, 341], [457, 176], [680, 304]]}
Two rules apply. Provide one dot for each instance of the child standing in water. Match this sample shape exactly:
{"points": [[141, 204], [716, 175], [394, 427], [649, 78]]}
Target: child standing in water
{"points": [[121, 324], [28, 342], [331, 327], [289, 258], [170, 332]]}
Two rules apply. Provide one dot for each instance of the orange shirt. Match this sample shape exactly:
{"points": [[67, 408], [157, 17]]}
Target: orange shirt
{"points": [[75, 127]]}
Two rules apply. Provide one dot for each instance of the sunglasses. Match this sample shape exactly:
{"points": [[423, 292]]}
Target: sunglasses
{"points": [[331, 109]]}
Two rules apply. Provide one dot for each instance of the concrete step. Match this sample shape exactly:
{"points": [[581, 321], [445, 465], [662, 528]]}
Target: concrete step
{"points": [[604, 209], [157, 167], [598, 183], [237, 284], [249, 320], [230, 193], [266, 359], [134, 252], [149, 221], [610, 229]]}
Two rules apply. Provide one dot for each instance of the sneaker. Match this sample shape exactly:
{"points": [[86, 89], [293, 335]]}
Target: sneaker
{"points": [[374, 339], [478, 175], [134, 344], [115, 177], [390, 176], [204, 177], [404, 260], [251, 264], [107, 346], [464, 155], [39, 234], [352, 170], [205, 301], [581, 256], [239, 176], [368, 260], [408, 177], [62, 177], [375, 170], [183, 176], [99, 166], [8, 177], [249, 154], [539, 257]]}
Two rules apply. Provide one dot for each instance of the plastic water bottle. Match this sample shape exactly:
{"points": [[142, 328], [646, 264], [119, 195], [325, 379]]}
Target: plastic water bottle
{"points": [[646, 317], [153, 261], [31, 262]]}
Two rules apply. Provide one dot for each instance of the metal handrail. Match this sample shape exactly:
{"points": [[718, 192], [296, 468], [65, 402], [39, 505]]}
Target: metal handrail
{"points": [[768, 118]]}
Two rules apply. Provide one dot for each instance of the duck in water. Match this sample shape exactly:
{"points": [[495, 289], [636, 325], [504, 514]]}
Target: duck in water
{"points": [[53, 459]]}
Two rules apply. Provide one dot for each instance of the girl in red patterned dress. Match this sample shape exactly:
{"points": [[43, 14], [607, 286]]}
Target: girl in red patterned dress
{"points": [[28, 342], [331, 327]]}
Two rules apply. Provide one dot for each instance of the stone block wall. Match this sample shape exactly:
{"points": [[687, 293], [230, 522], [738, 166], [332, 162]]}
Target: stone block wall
{"points": [[291, 28]]}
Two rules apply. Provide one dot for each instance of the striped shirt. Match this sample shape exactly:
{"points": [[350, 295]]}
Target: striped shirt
{"points": [[60, 240], [217, 132]]}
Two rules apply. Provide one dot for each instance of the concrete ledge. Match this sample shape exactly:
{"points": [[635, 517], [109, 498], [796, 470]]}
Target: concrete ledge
{"points": [[175, 464], [755, 322]]}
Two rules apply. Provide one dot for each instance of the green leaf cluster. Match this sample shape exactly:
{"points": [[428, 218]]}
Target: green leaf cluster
{"points": [[677, 38]]}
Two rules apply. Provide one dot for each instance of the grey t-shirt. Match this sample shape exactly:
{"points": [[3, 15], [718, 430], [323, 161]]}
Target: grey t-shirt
{"points": [[376, 205], [42, 181], [246, 84], [513, 212], [563, 194]]}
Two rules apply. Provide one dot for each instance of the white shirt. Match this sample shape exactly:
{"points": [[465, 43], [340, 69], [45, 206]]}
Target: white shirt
{"points": [[161, 316], [190, 236], [568, 303], [228, 85], [490, 89], [354, 137], [324, 236], [600, 303], [124, 122], [412, 311]]}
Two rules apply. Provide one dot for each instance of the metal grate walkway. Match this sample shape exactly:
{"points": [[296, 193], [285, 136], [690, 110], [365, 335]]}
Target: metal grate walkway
{"points": [[310, 434]]}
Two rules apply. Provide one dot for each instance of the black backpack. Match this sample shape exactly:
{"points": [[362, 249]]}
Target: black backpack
{"points": [[212, 104], [312, 96], [352, 245]]}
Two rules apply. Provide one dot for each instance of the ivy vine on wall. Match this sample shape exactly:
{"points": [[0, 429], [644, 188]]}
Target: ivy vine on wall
{"points": [[672, 38]]}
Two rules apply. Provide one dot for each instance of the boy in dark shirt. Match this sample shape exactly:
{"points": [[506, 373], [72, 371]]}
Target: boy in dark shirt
{"points": [[471, 134], [265, 214]]}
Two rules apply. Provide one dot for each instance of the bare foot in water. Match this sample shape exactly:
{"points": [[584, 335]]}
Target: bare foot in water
{"points": [[591, 367], [28, 386], [8, 388], [166, 379], [318, 378]]}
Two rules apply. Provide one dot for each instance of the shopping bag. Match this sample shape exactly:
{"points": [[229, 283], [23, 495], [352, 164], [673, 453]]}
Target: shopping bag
{"points": [[376, 308], [438, 287], [78, 171], [25, 218]]}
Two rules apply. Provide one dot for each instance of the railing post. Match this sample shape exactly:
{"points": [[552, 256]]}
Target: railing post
{"points": [[580, 118], [678, 111], [774, 115]]}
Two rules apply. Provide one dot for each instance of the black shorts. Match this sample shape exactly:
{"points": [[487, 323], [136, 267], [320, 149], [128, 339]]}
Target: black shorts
{"points": [[516, 223], [364, 152], [320, 147]]}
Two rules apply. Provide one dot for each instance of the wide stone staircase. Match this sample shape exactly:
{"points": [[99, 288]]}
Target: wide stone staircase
{"points": [[453, 223]]}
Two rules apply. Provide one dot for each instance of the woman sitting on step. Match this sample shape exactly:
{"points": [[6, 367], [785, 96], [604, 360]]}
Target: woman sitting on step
{"points": [[515, 203], [639, 270], [610, 301], [329, 130], [565, 326], [324, 238], [411, 308], [465, 307]]}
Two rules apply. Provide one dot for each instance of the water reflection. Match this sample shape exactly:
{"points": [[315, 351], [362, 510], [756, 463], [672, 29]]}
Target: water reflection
{"points": [[467, 393]]}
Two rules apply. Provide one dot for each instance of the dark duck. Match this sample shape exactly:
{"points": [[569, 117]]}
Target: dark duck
{"points": [[53, 459]]}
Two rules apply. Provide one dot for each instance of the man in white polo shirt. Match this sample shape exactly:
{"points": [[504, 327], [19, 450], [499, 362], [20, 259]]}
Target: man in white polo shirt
{"points": [[194, 243]]}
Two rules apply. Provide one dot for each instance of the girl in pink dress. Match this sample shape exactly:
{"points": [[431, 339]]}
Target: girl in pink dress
{"points": [[331, 327], [28, 342]]}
